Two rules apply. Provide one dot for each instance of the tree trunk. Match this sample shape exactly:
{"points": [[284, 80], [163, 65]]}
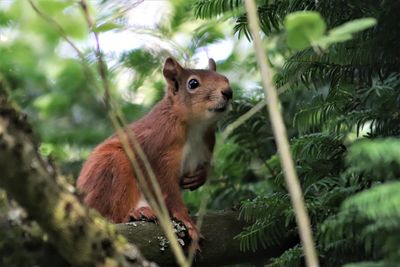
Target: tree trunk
{"points": [[80, 235]]}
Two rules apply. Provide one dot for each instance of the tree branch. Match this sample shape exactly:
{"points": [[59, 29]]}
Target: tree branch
{"points": [[219, 247]]}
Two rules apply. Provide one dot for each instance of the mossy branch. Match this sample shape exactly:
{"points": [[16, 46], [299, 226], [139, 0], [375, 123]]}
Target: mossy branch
{"points": [[218, 249], [80, 235]]}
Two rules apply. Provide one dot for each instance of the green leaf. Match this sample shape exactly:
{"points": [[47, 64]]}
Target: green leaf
{"points": [[303, 29], [345, 31], [353, 26], [108, 26], [53, 7]]}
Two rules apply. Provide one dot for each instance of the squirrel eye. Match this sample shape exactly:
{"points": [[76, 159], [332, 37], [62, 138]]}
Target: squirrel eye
{"points": [[193, 84]]}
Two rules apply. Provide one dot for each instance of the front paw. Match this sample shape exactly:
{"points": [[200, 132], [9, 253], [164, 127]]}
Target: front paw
{"points": [[143, 213], [193, 233]]}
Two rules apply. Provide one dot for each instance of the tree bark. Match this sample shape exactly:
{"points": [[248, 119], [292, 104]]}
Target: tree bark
{"points": [[219, 247], [80, 235]]}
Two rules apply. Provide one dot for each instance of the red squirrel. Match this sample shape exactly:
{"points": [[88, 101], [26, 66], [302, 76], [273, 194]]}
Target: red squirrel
{"points": [[177, 136]]}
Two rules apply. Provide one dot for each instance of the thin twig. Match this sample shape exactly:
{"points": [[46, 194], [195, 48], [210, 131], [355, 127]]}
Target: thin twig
{"points": [[292, 181], [58, 28], [254, 110], [102, 68], [239, 121], [156, 200]]}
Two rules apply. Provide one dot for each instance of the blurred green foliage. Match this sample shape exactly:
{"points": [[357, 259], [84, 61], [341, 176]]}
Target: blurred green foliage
{"points": [[337, 67]]}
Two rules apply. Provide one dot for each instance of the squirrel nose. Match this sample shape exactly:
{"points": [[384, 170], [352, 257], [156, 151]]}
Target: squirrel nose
{"points": [[227, 93]]}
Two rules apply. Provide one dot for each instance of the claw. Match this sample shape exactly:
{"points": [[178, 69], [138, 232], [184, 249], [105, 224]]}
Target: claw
{"points": [[143, 213], [193, 234], [194, 248]]}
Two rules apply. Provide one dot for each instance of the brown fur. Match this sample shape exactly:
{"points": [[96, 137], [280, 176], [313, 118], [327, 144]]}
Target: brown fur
{"points": [[107, 178]]}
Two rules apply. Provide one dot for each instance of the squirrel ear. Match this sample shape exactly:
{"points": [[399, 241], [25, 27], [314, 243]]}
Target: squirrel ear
{"points": [[212, 65], [171, 68], [171, 71]]}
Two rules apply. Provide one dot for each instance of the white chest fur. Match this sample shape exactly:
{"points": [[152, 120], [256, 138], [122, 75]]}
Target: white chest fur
{"points": [[196, 151]]}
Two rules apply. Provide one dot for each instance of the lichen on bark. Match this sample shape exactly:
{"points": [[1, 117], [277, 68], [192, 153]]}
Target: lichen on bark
{"points": [[79, 234]]}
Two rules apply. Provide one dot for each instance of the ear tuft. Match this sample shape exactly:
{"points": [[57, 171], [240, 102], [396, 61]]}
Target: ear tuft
{"points": [[171, 68], [212, 65]]}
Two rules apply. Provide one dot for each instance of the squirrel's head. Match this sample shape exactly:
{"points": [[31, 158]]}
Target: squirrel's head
{"points": [[204, 93]]}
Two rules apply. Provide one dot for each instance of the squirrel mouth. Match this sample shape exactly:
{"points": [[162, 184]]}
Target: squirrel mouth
{"points": [[218, 110]]}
